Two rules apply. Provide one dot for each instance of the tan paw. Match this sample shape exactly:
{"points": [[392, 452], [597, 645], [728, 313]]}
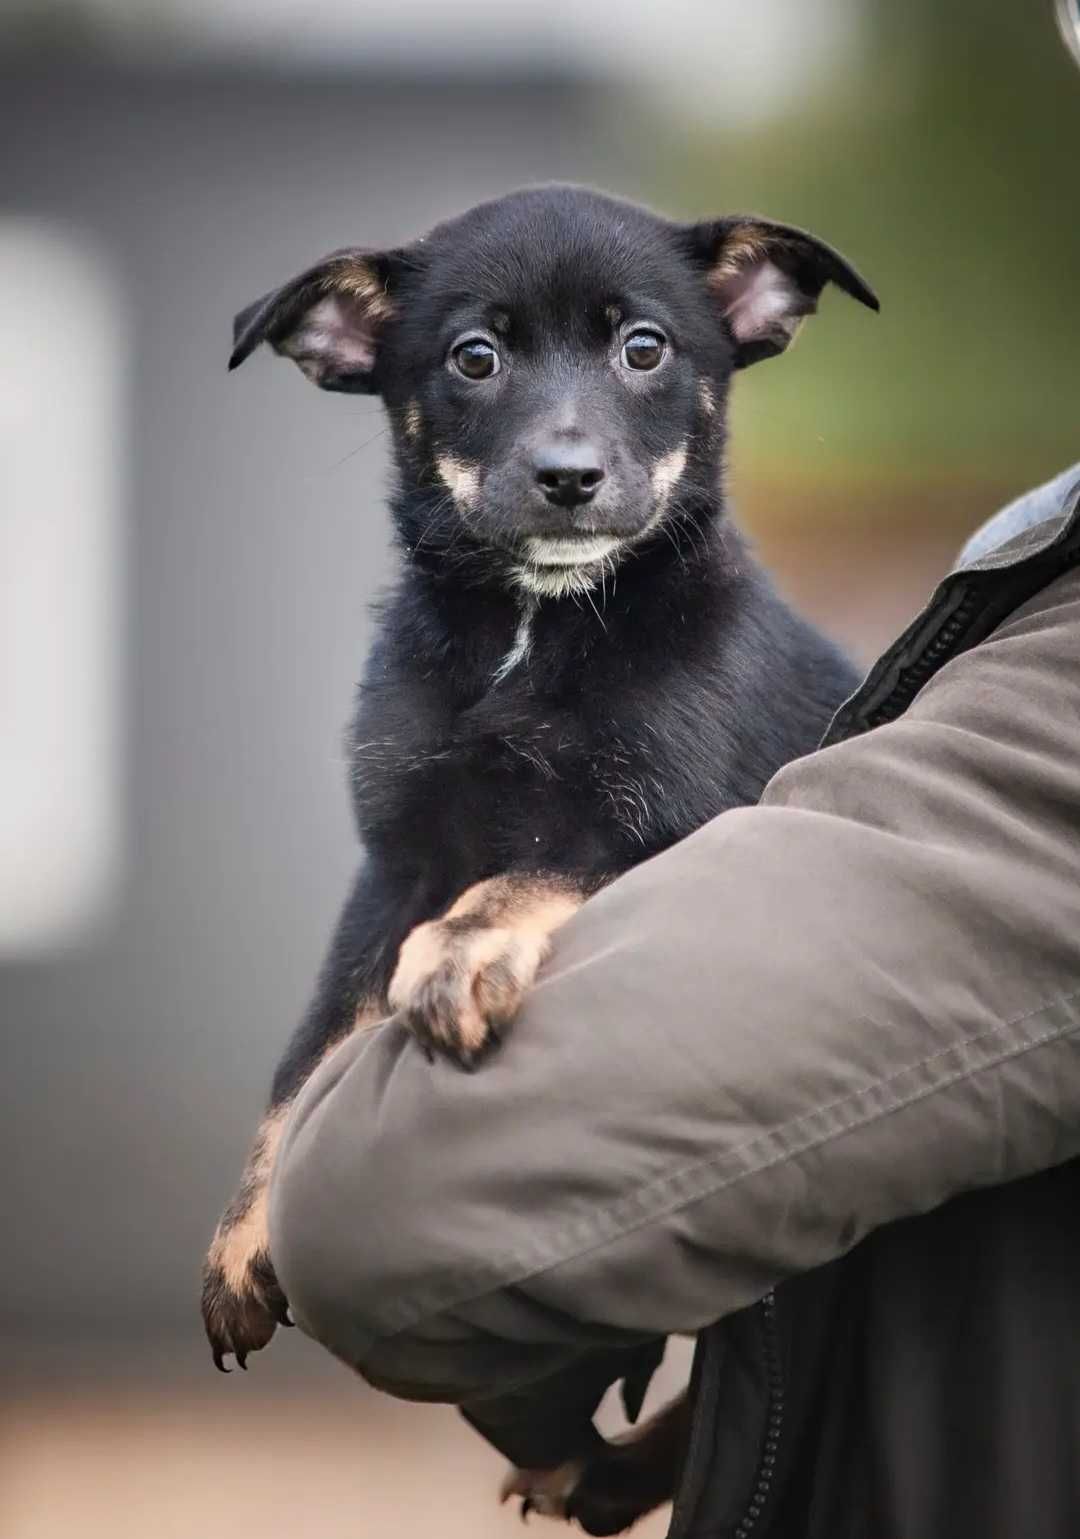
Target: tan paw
{"points": [[242, 1301], [459, 984], [241, 1320]]}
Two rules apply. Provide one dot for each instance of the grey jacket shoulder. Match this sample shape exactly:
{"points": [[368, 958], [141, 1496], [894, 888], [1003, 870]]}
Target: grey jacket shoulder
{"points": [[1055, 499]]}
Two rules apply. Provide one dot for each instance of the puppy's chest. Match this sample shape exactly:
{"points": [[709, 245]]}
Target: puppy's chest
{"points": [[512, 777], [485, 749]]}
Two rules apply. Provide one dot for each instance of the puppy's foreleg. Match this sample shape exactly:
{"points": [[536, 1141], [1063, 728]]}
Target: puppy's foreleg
{"points": [[242, 1303]]}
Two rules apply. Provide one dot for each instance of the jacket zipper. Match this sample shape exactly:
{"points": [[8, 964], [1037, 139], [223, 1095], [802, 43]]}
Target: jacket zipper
{"points": [[915, 675], [774, 1420], [945, 643]]}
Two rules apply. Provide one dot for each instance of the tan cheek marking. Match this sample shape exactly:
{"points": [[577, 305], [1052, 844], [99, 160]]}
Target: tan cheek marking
{"points": [[413, 422], [706, 399], [463, 481], [666, 473]]}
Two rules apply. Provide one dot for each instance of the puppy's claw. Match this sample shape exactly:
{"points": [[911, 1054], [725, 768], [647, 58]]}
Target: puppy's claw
{"points": [[241, 1322], [545, 1492], [280, 1310]]}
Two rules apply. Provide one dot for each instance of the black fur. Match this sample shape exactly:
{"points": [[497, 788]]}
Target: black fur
{"points": [[671, 689], [663, 679], [630, 728]]}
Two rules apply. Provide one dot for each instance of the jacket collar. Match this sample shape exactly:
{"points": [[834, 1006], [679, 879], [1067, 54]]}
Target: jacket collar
{"points": [[1029, 524], [1013, 556]]}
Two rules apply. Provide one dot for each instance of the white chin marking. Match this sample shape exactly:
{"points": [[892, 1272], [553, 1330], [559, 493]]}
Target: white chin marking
{"points": [[570, 553], [560, 581], [564, 568]]}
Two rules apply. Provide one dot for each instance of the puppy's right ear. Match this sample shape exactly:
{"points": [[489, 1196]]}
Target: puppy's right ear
{"points": [[329, 320]]}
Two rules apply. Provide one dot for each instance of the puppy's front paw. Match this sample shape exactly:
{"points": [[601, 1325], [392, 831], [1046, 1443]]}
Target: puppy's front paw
{"points": [[458, 985], [605, 1494], [547, 1492], [242, 1301]]}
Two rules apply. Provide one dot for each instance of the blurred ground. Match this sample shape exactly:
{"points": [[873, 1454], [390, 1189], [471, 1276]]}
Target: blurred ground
{"points": [[295, 1447]]}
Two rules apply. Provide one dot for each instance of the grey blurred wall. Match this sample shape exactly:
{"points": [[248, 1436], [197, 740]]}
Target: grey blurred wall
{"points": [[133, 1072]]}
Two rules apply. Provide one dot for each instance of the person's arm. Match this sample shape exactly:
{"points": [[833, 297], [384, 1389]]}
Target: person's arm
{"points": [[815, 1016]]}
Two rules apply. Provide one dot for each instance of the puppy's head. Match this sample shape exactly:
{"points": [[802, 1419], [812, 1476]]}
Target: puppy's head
{"points": [[555, 364]]}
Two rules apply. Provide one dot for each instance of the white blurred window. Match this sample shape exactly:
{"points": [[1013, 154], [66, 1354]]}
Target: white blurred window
{"points": [[62, 386]]}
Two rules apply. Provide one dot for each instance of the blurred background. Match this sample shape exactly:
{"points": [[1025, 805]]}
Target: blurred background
{"points": [[186, 562]]}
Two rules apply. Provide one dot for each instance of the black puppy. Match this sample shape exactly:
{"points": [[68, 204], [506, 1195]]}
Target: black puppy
{"points": [[580, 663]]}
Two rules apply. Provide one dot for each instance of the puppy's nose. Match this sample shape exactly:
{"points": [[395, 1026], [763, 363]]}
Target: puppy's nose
{"points": [[568, 471]]}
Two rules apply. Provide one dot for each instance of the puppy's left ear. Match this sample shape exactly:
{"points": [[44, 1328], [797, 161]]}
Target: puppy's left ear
{"points": [[766, 278], [329, 320]]}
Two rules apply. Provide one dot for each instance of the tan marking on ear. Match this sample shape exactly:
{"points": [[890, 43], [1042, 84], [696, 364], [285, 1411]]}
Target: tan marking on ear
{"points": [[744, 244], [359, 281], [706, 398], [462, 481], [412, 421], [666, 473]]}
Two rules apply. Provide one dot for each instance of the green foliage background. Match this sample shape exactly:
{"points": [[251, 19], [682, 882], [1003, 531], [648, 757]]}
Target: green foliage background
{"points": [[945, 165]]}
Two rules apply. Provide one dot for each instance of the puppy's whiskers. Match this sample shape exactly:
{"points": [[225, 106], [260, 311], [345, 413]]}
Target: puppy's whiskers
{"points": [[359, 448]]}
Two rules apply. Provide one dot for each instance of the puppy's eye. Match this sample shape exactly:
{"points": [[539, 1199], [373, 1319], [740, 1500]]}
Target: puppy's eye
{"points": [[643, 350], [475, 358]]}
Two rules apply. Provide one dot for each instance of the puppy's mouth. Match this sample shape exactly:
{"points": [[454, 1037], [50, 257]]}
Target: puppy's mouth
{"points": [[570, 550]]}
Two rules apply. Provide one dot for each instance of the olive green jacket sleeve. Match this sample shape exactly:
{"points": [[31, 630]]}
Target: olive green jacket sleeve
{"points": [[815, 1016]]}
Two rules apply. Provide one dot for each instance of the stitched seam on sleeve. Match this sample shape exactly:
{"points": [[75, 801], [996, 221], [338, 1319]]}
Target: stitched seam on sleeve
{"points": [[689, 1185]]}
